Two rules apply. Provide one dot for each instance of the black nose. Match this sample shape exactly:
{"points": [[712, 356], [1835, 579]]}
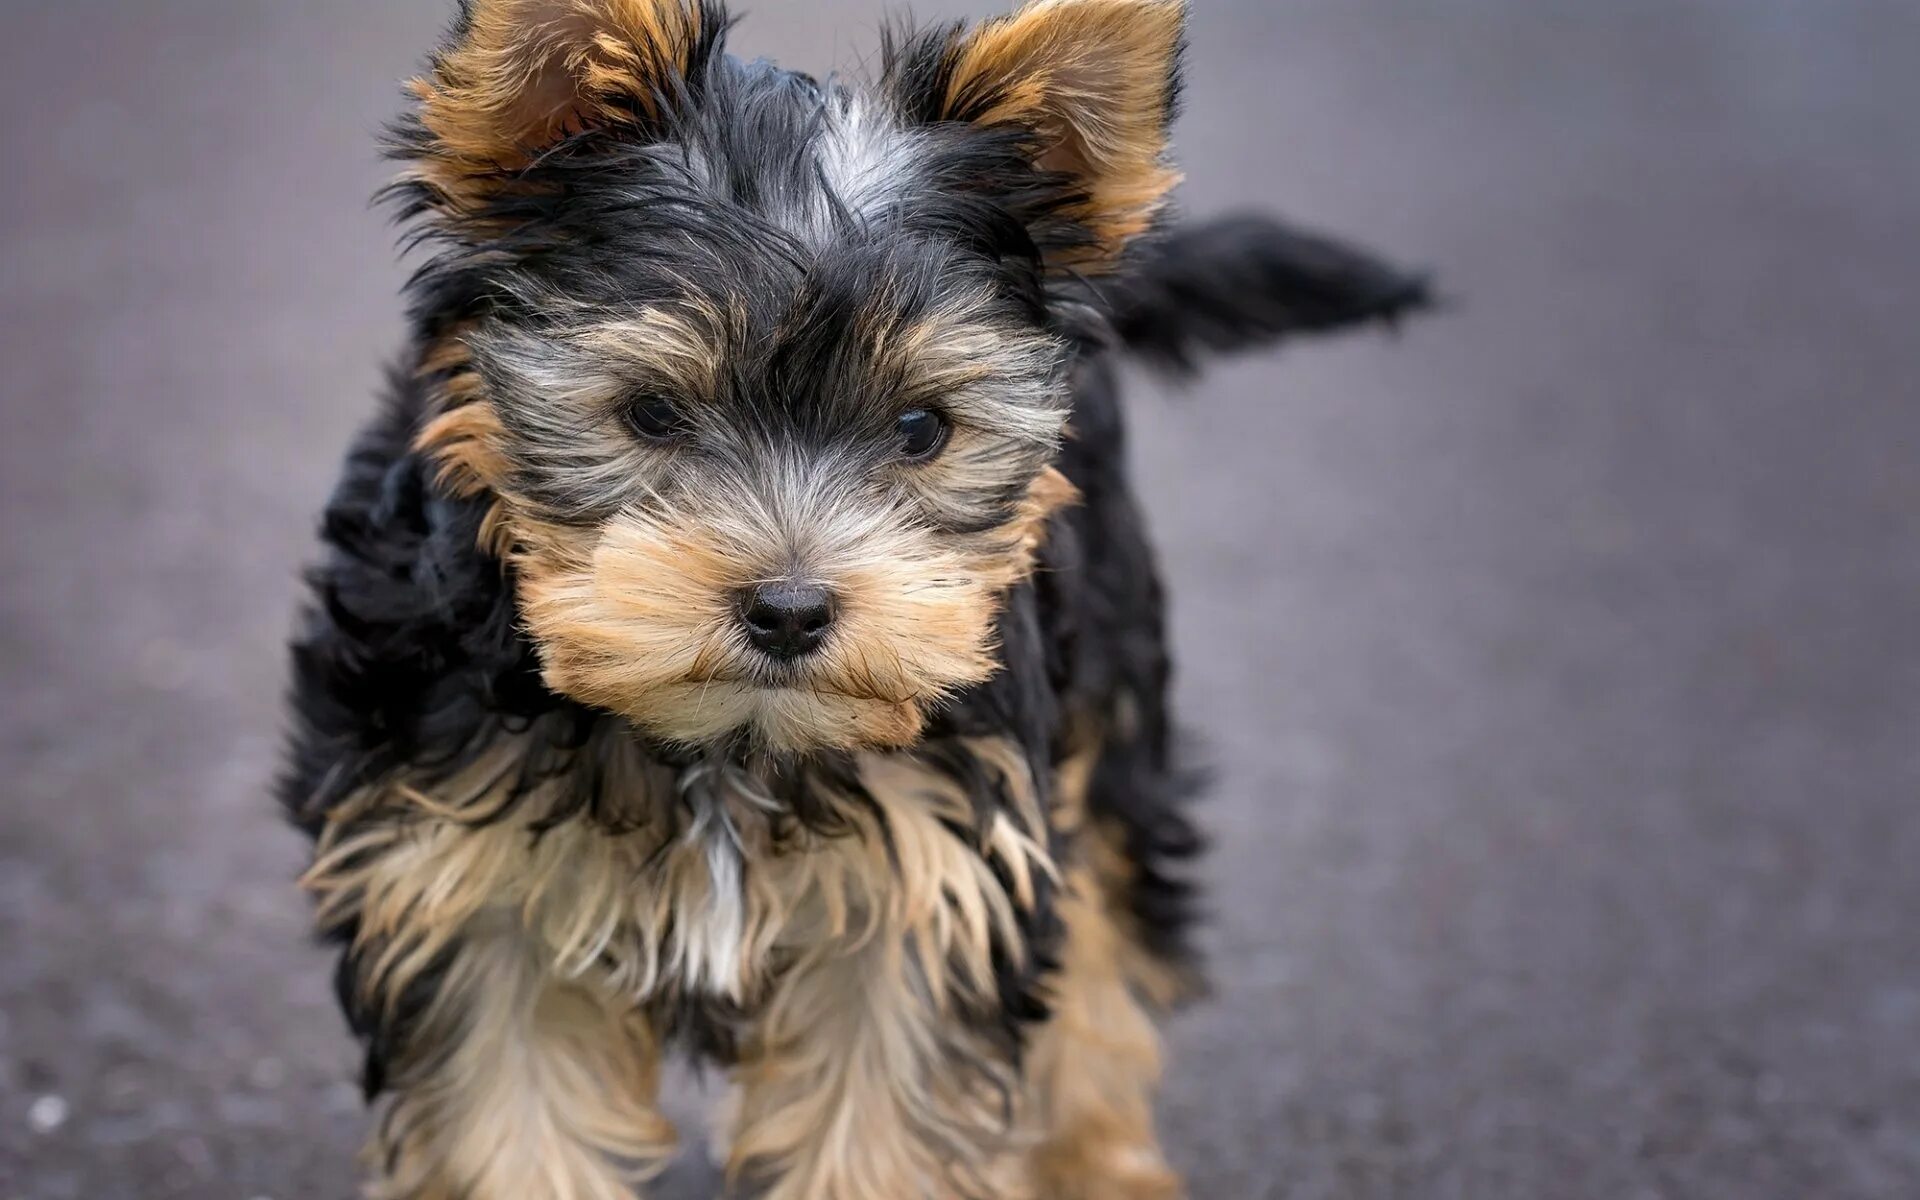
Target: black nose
{"points": [[786, 619]]}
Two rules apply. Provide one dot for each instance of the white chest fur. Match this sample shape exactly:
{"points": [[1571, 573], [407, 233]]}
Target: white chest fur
{"points": [[709, 937]]}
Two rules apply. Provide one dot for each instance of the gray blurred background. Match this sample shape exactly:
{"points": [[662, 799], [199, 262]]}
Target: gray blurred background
{"points": [[1560, 658]]}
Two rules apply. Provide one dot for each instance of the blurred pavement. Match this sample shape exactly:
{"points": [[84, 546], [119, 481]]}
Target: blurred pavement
{"points": [[1561, 658]]}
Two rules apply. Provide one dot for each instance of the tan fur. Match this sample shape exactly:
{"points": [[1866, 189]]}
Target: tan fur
{"points": [[530, 71], [1095, 1064], [1091, 78], [413, 874], [898, 919], [679, 351], [642, 623], [1108, 873], [462, 435], [857, 1083], [466, 441], [1093, 1067], [851, 1091], [519, 1084], [640, 620], [848, 1092]]}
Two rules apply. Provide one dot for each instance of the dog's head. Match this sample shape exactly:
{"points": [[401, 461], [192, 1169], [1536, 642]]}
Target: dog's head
{"points": [[764, 378]]}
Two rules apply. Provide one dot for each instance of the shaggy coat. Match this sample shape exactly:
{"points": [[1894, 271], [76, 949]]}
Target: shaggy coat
{"points": [[693, 329]]}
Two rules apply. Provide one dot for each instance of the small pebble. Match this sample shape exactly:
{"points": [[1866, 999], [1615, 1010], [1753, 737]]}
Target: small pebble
{"points": [[47, 1113], [267, 1073]]}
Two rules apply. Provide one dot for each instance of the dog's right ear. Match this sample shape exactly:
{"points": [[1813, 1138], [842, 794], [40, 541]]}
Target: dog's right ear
{"points": [[517, 77], [1094, 85]]}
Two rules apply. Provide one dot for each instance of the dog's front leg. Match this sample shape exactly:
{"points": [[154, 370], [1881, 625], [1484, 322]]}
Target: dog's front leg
{"points": [[855, 1087], [1092, 1067], [507, 1083]]}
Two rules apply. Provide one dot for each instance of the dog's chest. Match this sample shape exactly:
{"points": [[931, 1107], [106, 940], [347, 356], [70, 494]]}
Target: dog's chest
{"points": [[725, 840], [710, 912], [697, 886]]}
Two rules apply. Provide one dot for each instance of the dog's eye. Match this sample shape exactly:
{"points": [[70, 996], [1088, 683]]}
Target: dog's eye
{"points": [[922, 432], [654, 418]]}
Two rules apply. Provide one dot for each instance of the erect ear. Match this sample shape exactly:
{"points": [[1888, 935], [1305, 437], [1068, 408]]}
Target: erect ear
{"points": [[517, 76], [1095, 81]]}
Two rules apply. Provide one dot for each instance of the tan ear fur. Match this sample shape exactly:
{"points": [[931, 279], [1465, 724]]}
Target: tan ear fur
{"points": [[1096, 80], [522, 74]]}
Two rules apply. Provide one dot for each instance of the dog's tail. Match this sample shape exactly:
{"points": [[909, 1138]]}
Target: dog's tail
{"points": [[1237, 282]]}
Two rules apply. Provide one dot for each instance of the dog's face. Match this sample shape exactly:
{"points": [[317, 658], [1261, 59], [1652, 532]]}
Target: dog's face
{"points": [[762, 377]]}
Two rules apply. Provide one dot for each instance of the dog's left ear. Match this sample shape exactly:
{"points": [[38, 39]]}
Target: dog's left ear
{"points": [[517, 77], [1094, 82]]}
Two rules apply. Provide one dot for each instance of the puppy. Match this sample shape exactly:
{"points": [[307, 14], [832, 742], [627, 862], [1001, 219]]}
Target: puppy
{"points": [[737, 633]]}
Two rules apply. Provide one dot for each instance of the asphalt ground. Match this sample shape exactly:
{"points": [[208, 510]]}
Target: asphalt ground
{"points": [[1559, 658]]}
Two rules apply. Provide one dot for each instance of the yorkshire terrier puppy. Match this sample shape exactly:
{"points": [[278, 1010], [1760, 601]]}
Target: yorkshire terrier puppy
{"points": [[737, 634]]}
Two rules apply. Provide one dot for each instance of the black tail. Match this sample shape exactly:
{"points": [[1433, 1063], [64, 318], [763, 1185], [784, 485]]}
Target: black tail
{"points": [[1237, 282]]}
